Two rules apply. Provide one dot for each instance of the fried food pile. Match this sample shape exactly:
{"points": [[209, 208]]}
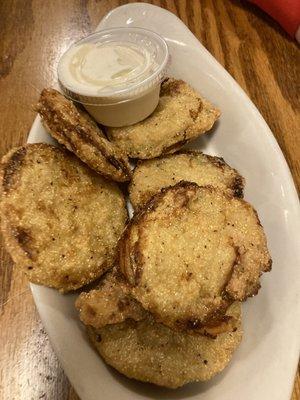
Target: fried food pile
{"points": [[134, 342], [165, 306]]}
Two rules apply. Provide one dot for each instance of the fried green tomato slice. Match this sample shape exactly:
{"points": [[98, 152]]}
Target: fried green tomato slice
{"points": [[78, 132], [151, 352], [150, 176], [190, 252], [60, 220], [181, 116]]}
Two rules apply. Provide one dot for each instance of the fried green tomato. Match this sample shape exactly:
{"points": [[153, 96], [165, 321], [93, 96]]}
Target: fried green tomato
{"points": [[190, 252], [150, 176], [78, 132], [60, 220], [181, 116], [151, 352]]}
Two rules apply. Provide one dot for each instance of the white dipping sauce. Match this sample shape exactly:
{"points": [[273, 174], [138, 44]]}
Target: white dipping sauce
{"points": [[116, 80], [97, 67]]}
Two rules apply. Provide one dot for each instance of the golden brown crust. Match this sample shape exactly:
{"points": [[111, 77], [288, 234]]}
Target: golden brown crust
{"points": [[9, 166], [150, 176], [110, 303], [60, 220], [77, 131], [151, 352], [190, 252], [181, 116]]}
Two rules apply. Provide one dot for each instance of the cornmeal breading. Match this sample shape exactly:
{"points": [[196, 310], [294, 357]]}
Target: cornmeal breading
{"points": [[181, 116], [151, 352], [79, 133], [109, 303], [150, 176], [190, 252], [60, 220]]}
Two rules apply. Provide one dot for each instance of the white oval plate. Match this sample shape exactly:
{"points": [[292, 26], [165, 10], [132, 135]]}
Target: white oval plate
{"points": [[263, 367]]}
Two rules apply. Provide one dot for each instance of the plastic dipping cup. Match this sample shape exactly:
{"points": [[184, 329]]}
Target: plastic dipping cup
{"points": [[115, 74]]}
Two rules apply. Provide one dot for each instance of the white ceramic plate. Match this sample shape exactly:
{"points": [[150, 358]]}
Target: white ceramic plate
{"points": [[263, 367]]}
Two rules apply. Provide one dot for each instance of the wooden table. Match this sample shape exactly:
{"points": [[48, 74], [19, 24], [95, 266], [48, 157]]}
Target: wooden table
{"points": [[253, 48]]}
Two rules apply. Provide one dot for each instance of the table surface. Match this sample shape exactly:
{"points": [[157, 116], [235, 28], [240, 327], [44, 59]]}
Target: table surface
{"points": [[253, 49]]}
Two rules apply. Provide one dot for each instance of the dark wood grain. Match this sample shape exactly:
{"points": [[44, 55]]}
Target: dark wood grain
{"points": [[252, 47]]}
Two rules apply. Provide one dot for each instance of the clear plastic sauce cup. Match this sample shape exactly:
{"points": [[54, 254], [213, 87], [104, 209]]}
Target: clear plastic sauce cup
{"points": [[116, 74]]}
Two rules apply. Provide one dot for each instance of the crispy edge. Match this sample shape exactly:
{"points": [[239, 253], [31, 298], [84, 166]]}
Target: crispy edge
{"points": [[230, 291], [133, 275], [171, 87], [237, 187], [113, 288], [96, 337], [12, 162], [15, 240], [87, 132]]}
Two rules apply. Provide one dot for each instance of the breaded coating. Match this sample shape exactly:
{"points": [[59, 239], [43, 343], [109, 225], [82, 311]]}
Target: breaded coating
{"points": [[181, 116], [78, 132], [60, 220], [151, 352], [151, 176], [110, 303], [190, 252]]}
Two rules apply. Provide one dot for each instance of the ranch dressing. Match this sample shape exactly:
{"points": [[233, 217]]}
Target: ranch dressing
{"points": [[99, 67], [115, 74]]}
